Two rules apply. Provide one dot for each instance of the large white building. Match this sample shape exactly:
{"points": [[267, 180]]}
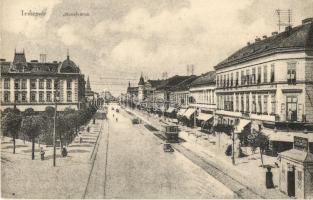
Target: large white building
{"points": [[36, 84], [270, 84]]}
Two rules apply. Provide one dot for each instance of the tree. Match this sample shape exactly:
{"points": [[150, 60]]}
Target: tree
{"points": [[259, 140], [49, 111], [29, 112], [11, 124], [33, 126]]}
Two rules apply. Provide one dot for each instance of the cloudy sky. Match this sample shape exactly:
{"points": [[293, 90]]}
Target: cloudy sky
{"points": [[122, 38]]}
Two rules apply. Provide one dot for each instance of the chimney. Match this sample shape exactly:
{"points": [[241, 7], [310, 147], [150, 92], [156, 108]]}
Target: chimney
{"points": [[43, 58], [274, 33], [264, 36], [307, 20]]}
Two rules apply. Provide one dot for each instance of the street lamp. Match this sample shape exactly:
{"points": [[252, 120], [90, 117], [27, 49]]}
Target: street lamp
{"points": [[56, 99]]}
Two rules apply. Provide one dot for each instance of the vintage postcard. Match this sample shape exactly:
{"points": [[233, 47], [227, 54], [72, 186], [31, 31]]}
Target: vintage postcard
{"points": [[156, 99]]}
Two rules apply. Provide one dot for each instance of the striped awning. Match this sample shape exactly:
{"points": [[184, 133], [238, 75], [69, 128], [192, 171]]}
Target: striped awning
{"points": [[181, 111], [189, 112], [204, 117]]}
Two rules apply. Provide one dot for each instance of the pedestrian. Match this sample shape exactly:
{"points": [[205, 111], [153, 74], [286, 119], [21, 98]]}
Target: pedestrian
{"points": [[64, 152], [269, 178], [42, 153]]}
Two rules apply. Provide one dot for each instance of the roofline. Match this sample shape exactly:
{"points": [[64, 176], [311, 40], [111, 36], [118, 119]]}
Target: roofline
{"points": [[264, 54]]}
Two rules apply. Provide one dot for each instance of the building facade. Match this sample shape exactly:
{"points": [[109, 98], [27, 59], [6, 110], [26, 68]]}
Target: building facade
{"points": [[37, 84], [269, 82]]}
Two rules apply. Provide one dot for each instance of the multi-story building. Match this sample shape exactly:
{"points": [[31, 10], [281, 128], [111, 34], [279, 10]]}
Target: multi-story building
{"points": [[269, 83], [202, 91], [37, 84]]}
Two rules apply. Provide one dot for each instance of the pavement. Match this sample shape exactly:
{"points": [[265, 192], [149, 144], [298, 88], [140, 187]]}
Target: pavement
{"points": [[22, 177], [246, 178]]}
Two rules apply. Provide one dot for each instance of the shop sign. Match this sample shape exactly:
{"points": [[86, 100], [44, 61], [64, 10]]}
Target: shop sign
{"points": [[301, 143]]}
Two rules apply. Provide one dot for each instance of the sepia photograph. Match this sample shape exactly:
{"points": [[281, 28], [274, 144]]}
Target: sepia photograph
{"points": [[156, 99]]}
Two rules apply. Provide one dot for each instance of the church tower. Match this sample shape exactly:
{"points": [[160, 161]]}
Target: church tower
{"points": [[141, 88]]}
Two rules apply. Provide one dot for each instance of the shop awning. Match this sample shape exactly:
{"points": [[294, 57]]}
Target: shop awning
{"points": [[181, 111], [170, 110], [204, 117], [241, 125], [189, 112], [287, 136]]}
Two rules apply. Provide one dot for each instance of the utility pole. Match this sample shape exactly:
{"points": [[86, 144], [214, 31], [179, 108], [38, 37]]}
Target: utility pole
{"points": [[54, 128], [233, 145]]}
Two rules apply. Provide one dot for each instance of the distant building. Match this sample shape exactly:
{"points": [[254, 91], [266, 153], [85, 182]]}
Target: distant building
{"points": [[37, 84], [89, 94]]}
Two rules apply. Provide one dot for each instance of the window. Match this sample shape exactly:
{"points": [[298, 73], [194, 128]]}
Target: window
{"points": [[259, 75], [237, 78], [69, 84], [17, 84], [273, 102], [242, 77], [217, 81], [291, 73], [16, 96], [24, 96], [41, 84], [24, 83], [6, 96], [56, 84], [41, 97], [237, 103], [69, 96], [242, 103], [33, 96], [265, 74], [247, 103], [260, 104], [265, 104], [247, 76], [272, 73], [253, 104], [224, 84], [49, 99], [253, 76], [6, 83], [48, 83], [33, 83], [221, 81], [231, 79]]}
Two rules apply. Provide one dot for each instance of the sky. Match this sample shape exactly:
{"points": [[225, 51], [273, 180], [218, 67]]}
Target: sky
{"points": [[120, 39]]}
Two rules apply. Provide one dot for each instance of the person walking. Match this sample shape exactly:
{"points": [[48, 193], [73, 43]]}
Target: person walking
{"points": [[42, 153], [269, 178]]}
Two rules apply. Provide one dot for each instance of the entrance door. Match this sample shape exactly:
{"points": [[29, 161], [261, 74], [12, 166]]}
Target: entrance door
{"points": [[291, 111], [291, 182]]}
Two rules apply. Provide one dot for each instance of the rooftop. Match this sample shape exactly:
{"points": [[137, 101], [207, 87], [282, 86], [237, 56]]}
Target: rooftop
{"points": [[296, 38], [205, 79]]}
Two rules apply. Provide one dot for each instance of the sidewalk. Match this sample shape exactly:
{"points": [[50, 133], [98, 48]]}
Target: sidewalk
{"points": [[22, 177], [247, 170]]}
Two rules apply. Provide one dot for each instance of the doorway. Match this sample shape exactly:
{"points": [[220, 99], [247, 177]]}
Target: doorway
{"points": [[291, 111], [291, 181]]}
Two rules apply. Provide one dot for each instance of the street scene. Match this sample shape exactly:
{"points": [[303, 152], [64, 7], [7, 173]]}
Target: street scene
{"points": [[179, 99]]}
